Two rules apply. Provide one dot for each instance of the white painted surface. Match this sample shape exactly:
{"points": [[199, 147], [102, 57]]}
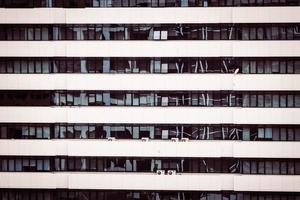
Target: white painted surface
{"points": [[151, 15], [150, 48], [267, 183], [151, 181], [153, 148], [151, 82], [148, 115]]}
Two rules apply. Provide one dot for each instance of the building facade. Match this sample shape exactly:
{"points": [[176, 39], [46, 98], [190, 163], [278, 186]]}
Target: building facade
{"points": [[150, 99]]}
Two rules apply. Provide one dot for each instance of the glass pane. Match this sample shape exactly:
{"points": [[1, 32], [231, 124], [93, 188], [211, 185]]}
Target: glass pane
{"points": [[276, 167], [290, 99], [290, 134], [283, 101], [46, 131], [268, 167], [275, 101], [291, 169], [253, 167], [261, 133], [246, 167], [282, 67], [290, 67], [18, 165], [246, 133], [253, 67], [39, 165], [245, 67], [245, 100], [297, 167], [268, 67], [268, 133], [297, 100], [261, 167], [260, 99], [268, 100], [283, 167], [253, 100], [275, 66], [276, 134], [297, 134], [297, 67], [283, 134], [260, 67]]}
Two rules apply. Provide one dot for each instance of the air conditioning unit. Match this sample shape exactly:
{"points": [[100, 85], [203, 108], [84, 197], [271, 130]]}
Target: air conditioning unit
{"points": [[160, 172], [111, 138], [171, 172], [185, 139], [145, 139], [174, 139]]}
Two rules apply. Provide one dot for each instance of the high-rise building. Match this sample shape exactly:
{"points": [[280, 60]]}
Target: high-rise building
{"points": [[150, 99]]}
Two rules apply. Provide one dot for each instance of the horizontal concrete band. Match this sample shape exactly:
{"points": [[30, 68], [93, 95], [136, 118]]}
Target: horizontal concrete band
{"points": [[151, 82], [152, 148], [151, 15], [150, 115], [151, 181], [150, 48]]}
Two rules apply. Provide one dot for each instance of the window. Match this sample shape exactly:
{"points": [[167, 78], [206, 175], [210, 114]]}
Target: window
{"points": [[268, 133], [268, 100], [276, 134], [291, 168], [253, 167], [246, 134], [290, 100], [253, 100], [275, 101], [246, 100], [276, 167], [245, 67], [246, 167], [260, 100], [261, 167]]}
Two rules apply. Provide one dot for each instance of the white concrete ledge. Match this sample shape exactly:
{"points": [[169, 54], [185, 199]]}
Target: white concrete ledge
{"points": [[151, 82], [150, 15], [213, 48], [153, 148], [151, 181], [150, 115]]}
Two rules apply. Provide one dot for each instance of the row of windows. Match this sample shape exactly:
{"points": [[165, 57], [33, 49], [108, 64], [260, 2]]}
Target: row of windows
{"points": [[63, 194], [150, 65], [142, 3], [151, 32], [124, 164], [148, 98], [163, 132]]}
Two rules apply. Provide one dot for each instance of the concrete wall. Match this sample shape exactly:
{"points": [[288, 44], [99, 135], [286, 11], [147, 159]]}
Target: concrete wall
{"points": [[151, 15], [150, 115], [151, 181], [152, 148], [150, 48], [151, 82]]}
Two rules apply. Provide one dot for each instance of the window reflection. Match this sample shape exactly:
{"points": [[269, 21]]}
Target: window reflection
{"points": [[137, 164], [150, 65], [193, 132], [151, 32], [149, 98]]}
